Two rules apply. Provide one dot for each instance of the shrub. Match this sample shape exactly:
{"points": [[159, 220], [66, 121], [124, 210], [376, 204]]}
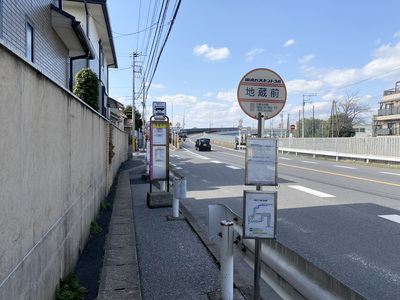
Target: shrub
{"points": [[94, 228], [70, 289], [87, 87]]}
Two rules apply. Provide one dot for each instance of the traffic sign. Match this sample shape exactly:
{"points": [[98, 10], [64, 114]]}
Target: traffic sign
{"points": [[261, 91], [292, 127]]}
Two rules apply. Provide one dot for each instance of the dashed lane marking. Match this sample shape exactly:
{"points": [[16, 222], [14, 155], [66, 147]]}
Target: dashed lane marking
{"points": [[311, 191], [394, 218], [389, 173], [233, 167], [344, 167]]}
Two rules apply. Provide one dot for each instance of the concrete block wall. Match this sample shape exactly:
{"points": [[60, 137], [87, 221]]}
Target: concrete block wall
{"points": [[54, 170]]}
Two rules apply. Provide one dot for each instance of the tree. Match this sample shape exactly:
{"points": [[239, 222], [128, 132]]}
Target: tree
{"points": [[87, 87], [347, 113], [353, 108], [340, 126], [138, 117]]}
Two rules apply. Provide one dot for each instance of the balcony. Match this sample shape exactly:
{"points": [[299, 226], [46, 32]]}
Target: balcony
{"points": [[389, 111], [383, 131], [391, 92]]}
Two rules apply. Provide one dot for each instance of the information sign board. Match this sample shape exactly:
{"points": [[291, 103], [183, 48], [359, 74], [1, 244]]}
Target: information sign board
{"points": [[158, 152], [159, 108], [261, 165], [261, 91], [259, 209]]}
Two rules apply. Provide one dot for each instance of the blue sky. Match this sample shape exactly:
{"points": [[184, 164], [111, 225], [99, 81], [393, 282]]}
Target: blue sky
{"points": [[323, 47]]}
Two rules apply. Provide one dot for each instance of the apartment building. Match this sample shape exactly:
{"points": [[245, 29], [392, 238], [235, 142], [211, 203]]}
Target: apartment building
{"points": [[387, 121], [61, 37]]}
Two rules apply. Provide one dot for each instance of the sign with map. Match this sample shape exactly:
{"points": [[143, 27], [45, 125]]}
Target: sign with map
{"points": [[259, 214]]}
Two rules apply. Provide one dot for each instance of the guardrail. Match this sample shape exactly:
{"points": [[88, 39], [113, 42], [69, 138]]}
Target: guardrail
{"points": [[283, 269], [343, 156], [179, 190]]}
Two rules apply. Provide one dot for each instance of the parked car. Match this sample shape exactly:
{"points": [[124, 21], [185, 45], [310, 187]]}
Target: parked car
{"points": [[202, 144]]}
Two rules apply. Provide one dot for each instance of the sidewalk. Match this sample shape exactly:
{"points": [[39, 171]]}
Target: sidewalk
{"points": [[148, 257]]}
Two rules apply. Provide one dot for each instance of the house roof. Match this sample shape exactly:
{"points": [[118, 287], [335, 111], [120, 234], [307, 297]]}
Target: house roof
{"points": [[71, 33], [99, 12], [114, 103]]}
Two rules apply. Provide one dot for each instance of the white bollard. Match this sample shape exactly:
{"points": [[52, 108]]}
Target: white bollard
{"points": [[163, 186], [227, 260], [175, 200]]}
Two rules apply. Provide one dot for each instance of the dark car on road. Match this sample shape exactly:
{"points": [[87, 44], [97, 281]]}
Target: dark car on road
{"points": [[203, 144]]}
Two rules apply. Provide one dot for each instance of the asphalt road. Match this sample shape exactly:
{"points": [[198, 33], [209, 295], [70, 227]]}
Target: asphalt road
{"points": [[343, 217]]}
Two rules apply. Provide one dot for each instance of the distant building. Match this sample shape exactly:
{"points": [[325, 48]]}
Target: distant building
{"points": [[363, 130], [387, 121], [116, 115]]}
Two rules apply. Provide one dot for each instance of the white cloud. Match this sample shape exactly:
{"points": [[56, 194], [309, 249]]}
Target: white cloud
{"points": [[289, 43], [250, 55], [230, 96], [157, 86], [397, 34], [209, 94], [300, 86], [210, 53], [386, 66], [306, 59]]}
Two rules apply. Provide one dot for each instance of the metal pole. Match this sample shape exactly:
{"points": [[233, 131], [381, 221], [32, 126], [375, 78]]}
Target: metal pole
{"points": [[227, 260], [302, 123], [175, 200], [257, 256], [134, 55]]}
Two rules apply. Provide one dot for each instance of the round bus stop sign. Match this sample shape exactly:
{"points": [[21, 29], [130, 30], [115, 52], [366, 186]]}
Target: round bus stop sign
{"points": [[261, 91]]}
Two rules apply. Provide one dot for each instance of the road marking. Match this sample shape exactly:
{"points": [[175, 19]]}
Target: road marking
{"points": [[385, 271], [394, 218], [178, 168], [344, 167], [216, 162], [390, 173], [311, 191], [284, 158], [309, 162], [233, 167], [343, 175]]}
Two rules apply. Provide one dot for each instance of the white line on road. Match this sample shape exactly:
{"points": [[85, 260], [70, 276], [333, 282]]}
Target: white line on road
{"points": [[216, 162], [394, 218], [311, 191], [344, 167], [309, 162], [285, 158], [390, 173], [233, 167]]}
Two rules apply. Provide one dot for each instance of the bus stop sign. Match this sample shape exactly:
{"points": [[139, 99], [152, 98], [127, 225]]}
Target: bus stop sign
{"points": [[262, 91]]}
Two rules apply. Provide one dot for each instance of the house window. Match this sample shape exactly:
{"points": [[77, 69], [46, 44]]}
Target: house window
{"points": [[29, 40]]}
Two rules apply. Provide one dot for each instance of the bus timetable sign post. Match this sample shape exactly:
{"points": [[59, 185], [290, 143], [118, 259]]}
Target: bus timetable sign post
{"points": [[261, 95]]}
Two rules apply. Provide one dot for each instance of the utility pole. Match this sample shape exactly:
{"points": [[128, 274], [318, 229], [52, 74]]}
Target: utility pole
{"points": [[134, 55], [304, 103], [288, 126]]}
